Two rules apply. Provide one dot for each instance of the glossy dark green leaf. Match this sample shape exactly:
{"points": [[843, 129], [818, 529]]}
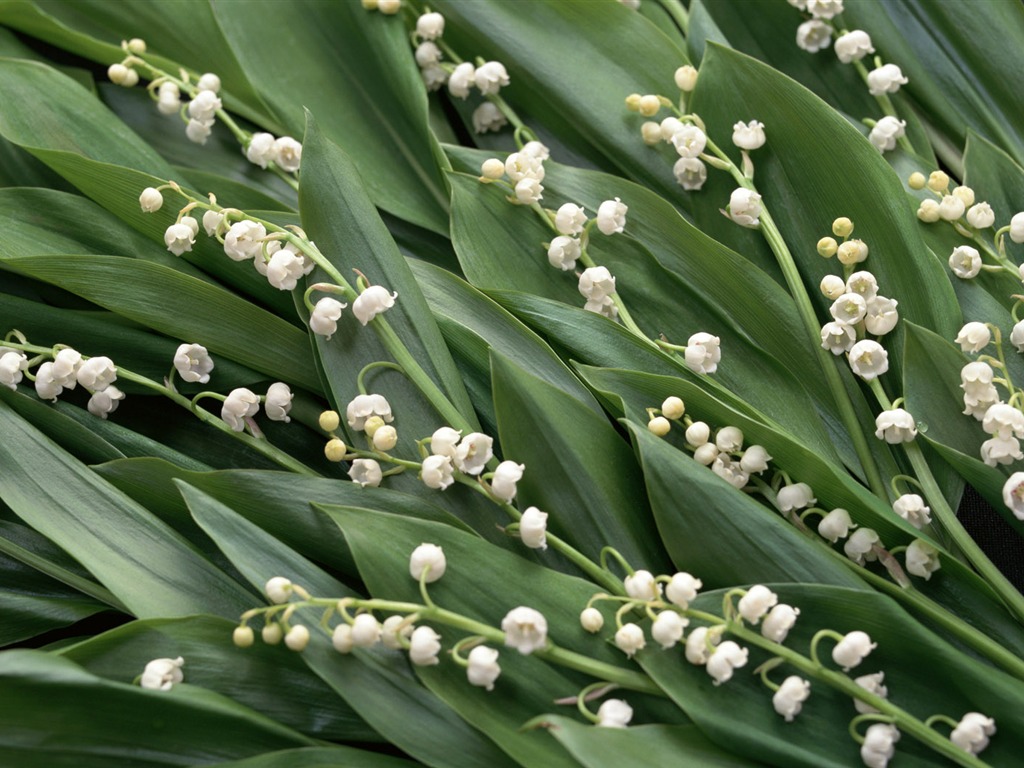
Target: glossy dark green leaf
{"points": [[143, 562], [183, 307], [320, 757], [264, 678], [578, 467], [346, 62], [103, 721], [658, 744]]}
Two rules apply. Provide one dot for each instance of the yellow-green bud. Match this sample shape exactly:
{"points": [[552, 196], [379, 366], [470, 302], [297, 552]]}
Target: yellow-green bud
{"points": [[651, 133], [389, 7], [827, 247], [372, 424], [492, 168], [673, 408], [966, 194], [633, 102], [649, 105], [243, 637], [272, 634], [928, 211], [335, 450], [297, 638], [917, 180], [938, 181], [329, 421], [137, 46], [118, 73], [852, 252], [842, 227], [370, 5], [659, 426]]}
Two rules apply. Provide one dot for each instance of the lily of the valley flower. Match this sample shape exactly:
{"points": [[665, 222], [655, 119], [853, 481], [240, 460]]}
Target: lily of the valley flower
{"points": [[838, 338], [490, 77], [287, 154], [912, 508], [371, 302], [162, 674], [813, 36], [12, 367], [151, 200], [885, 79], [789, 699], [437, 472], [683, 588], [965, 262], [240, 404], [424, 645], [748, 136], [570, 219], [690, 172], [323, 320], [483, 667], [193, 363], [279, 589], [727, 657], [525, 629], [1017, 227], [244, 240], [779, 621], [487, 117], [886, 132], [629, 639], [667, 629], [852, 649], [430, 26], [366, 472], [473, 452], [591, 620], [868, 359], [179, 238], [611, 216], [795, 496], [703, 353], [824, 9], [1013, 494], [981, 216], [922, 559], [596, 283], [363, 407], [614, 713], [278, 402], [853, 46], [756, 602], [697, 651], [533, 528], [879, 745], [104, 401], [1003, 420], [260, 149], [94, 374], [873, 684], [284, 269], [563, 251], [860, 547], [972, 733], [688, 140], [429, 558], [745, 207], [503, 483], [835, 525], [895, 426], [461, 80], [640, 585]]}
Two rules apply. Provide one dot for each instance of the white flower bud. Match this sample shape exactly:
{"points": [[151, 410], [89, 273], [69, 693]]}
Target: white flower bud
{"points": [[487, 117], [630, 639], [614, 713], [745, 207], [430, 26], [483, 667], [650, 132], [272, 634], [885, 79], [611, 216], [726, 657], [492, 168], [974, 337], [813, 36], [385, 438], [243, 637], [673, 408], [429, 558], [928, 211], [835, 525], [365, 630], [706, 454], [261, 149], [852, 252], [371, 302], [778, 622], [392, 629], [795, 496], [279, 589], [667, 629], [533, 528], [640, 585], [698, 434], [981, 216], [659, 426], [686, 78], [209, 82], [490, 77], [729, 439], [853, 46], [852, 649], [204, 106], [1017, 227], [682, 589], [150, 200], [424, 645], [341, 639], [536, 149], [104, 401], [756, 602], [886, 133], [591, 620], [162, 674], [363, 407], [789, 699]]}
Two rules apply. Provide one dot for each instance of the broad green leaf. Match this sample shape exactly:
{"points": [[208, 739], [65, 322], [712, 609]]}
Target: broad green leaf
{"points": [[264, 678], [473, 324], [484, 583], [808, 183], [320, 757], [705, 524], [338, 215], [183, 307], [345, 62], [578, 467], [657, 744], [277, 502], [559, 91], [103, 722], [152, 570], [924, 674]]}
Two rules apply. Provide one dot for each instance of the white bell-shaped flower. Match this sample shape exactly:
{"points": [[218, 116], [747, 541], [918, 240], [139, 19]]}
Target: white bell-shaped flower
{"points": [[483, 667], [240, 404], [278, 402], [287, 154], [525, 629], [789, 699], [614, 713], [885, 79], [852, 649], [424, 645], [611, 216], [778, 622], [162, 674], [371, 302], [533, 528], [437, 472], [105, 401], [323, 320], [506, 475], [853, 46], [429, 558]]}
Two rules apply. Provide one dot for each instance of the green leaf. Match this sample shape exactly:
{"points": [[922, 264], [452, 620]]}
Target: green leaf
{"points": [[103, 721], [183, 307], [320, 757], [152, 570], [344, 61], [339, 216], [264, 678], [924, 674], [578, 468], [658, 744]]}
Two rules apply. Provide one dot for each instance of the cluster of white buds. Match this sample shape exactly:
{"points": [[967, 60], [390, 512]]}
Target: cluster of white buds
{"points": [[857, 308], [430, 27], [686, 136], [124, 73], [284, 152], [488, 78], [525, 172]]}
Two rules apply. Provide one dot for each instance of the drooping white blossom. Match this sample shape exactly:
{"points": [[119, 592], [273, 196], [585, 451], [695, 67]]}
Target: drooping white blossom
{"points": [[789, 699], [852, 649], [748, 136], [885, 79], [366, 472], [853, 46], [483, 667], [162, 674], [437, 472], [525, 629], [611, 216], [533, 528], [371, 302]]}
